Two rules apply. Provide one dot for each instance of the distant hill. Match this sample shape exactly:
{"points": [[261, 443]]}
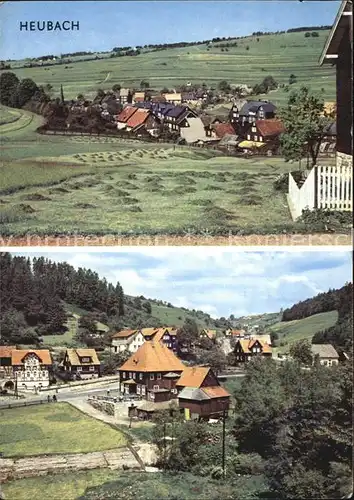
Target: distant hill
{"points": [[239, 61], [292, 331], [262, 320]]}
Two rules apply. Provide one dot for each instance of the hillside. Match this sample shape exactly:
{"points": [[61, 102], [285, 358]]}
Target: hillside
{"points": [[166, 315], [279, 55], [262, 320], [292, 331]]}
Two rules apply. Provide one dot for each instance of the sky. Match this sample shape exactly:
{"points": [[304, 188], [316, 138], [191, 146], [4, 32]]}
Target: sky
{"points": [[104, 25], [219, 281]]}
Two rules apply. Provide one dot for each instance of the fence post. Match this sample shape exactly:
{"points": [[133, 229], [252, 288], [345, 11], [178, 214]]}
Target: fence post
{"points": [[316, 186]]}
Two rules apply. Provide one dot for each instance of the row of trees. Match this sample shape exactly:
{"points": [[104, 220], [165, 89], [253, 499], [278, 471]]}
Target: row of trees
{"points": [[14, 92]]}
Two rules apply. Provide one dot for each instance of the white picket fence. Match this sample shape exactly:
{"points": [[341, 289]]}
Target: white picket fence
{"points": [[328, 187]]}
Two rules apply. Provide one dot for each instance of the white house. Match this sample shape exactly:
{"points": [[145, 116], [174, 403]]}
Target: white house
{"points": [[31, 368]]}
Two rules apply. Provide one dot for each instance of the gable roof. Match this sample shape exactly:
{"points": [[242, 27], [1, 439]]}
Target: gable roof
{"points": [[193, 376], [253, 106], [247, 344], [330, 50], [216, 392], [138, 118], [269, 128], [124, 334], [74, 356], [127, 112], [324, 351], [153, 357], [211, 334], [147, 332], [222, 129], [18, 355]]}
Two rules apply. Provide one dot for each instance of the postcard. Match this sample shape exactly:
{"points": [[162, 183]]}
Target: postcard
{"points": [[179, 122]]}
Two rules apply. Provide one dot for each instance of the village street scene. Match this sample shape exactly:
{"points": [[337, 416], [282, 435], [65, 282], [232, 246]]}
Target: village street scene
{"points": [[116, 399], [242, 136]]}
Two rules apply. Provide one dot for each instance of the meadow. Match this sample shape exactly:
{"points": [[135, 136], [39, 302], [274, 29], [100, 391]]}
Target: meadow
{"points": [[293, 331], [54, 428], [277, 55]]}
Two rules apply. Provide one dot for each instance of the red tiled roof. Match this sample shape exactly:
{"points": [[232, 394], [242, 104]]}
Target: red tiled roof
{"points": [[127, 112], [222, 129], [270, 127], [138, 118], [18, 355], [216, 392]]}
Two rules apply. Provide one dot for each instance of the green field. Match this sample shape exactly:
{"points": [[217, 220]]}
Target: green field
{"points": [[67, 486], [54, 428], [146, 190], [292, 331], [277, 55]]}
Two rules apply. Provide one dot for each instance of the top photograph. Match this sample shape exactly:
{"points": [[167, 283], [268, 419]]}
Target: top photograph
{"points": [[176, 123]]}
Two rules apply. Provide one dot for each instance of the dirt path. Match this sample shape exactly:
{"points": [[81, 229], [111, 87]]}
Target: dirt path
{"points": [[165, 240]]}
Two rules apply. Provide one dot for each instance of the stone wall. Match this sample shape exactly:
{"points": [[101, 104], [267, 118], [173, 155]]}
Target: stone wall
{"points": [[108, 407], [344, 160], [54, 464]]}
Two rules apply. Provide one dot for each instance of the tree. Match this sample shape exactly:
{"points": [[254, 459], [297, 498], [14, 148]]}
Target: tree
{"points": [[307, 34], [144, 84], [62, 94], [116, 87], [87, 325], [301, 352], [292, 79], [8, 86], [147, 307], [224, 86], [188, 335], [315, 34], [305, 125]]}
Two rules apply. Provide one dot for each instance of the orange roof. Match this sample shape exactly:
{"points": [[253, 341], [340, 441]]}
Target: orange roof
{"points": [[211, 334], [153, 357], [5, 350], [193, 376], [17, 356], [237, 332], [216, 392], [123, 334], [270, 127], [148, 331], [127, 112], [247, 344], [138, 118]]}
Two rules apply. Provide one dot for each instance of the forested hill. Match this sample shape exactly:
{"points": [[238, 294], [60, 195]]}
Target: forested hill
{"points": [[341, 300], [333, 300], [35, 293]]}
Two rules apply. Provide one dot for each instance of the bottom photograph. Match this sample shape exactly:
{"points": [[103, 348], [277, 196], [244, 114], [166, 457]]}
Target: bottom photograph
{"points": [[176, 373]]}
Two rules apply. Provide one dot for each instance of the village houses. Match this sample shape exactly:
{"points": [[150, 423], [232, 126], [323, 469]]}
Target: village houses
{"points": [[25, 369], [80, 364]]}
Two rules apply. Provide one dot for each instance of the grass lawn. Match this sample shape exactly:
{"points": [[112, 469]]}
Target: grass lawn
{"points": [[54, 428], [67, 486], [292, 331]]}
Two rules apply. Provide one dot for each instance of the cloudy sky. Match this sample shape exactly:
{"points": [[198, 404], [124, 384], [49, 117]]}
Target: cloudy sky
{"points": [[104, 25], [220, 281]]}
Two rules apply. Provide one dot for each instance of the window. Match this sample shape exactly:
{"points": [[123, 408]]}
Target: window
{"points": [[158, 376], [79, 369], [156, 387], [152, 376], [123, 374], [248, 137], [130, 374], [134, 375], [140, 376], [138, 389], [256, 138], [143, 390], [92, 368]]}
